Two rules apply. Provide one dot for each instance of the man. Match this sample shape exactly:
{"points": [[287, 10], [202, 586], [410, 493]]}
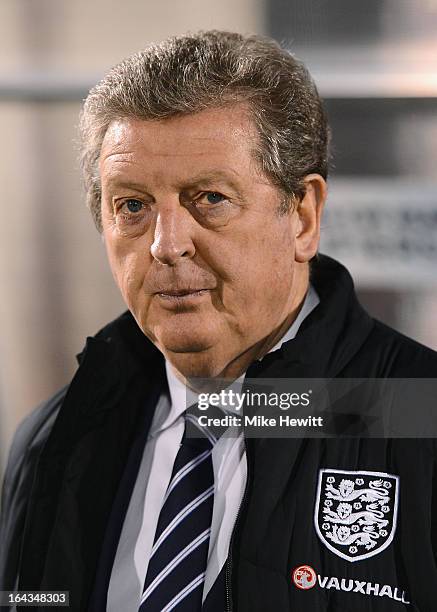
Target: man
{"points": [[205, 161]]}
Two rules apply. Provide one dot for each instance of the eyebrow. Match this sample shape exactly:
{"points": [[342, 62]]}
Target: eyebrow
{"points": [[209, 178], [205, 179], [114, 182]]}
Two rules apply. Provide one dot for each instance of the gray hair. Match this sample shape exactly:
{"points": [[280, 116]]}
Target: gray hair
{"points": [[187, 74]]}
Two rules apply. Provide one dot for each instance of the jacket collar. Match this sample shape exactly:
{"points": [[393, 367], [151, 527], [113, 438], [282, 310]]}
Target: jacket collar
{"points": [[331, 334]]}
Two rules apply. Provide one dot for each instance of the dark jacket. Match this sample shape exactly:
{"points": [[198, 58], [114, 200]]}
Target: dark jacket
{"points": [[73, 463]]}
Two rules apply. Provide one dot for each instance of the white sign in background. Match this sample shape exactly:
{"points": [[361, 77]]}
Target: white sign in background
{"points": [[383, 230]]}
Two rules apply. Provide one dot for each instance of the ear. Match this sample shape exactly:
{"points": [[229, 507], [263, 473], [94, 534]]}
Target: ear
{"points": [[309, 211]]}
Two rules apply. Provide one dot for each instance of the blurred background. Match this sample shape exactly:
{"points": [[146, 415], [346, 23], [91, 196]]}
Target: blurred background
{"points": [[375, 63]]}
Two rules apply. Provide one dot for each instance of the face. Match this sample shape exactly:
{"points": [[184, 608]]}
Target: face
{"points": [[204, 261]]}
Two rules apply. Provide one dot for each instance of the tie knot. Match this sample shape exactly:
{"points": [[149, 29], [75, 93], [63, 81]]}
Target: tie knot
{"points": [[197, 432]]}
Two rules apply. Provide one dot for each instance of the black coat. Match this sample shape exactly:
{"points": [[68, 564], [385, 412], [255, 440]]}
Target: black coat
{"points": [[67, 479]]}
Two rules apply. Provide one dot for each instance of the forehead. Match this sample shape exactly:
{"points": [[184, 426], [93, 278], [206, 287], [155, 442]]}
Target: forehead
{"points": [[220, 136]]}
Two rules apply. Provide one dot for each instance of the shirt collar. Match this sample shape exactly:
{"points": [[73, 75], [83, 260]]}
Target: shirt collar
{"points": [[310, 302]]}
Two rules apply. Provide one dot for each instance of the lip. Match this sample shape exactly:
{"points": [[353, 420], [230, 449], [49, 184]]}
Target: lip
{"points": [[181, 292], [182, 299]]}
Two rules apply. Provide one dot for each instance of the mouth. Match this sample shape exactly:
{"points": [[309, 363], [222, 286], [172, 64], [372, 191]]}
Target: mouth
{"points": [[181, 293], [182, 299]]}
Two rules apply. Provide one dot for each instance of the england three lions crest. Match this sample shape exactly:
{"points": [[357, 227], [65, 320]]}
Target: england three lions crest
{"points": [[356, 512]]}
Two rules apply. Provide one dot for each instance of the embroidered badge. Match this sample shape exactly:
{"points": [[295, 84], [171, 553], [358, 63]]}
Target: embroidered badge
{"points": [[356, 512]]}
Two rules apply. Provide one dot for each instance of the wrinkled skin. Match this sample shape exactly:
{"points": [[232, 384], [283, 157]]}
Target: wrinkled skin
{"points": [[211, 271]]}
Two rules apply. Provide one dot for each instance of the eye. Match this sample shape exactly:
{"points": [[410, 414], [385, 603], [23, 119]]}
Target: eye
{"points": [[133, 206], [210, 199], [132, 216], [213, 197], [212, 208]]}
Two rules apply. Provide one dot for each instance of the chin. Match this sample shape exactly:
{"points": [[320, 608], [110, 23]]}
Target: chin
{"points": [[182, 341], [196, 364], [194, 346]]}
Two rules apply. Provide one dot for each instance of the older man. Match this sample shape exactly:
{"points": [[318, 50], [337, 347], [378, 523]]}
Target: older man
{"points": [[205, 160]]}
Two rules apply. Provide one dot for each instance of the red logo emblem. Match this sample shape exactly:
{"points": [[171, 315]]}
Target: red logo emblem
{"points": [[304, 577]]}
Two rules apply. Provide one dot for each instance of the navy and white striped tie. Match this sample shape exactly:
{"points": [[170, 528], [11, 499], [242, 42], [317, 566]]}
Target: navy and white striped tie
{"points": [[178, 559]]}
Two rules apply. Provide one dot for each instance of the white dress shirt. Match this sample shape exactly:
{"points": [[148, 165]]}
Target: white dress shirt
{"points": [[230, 471]]}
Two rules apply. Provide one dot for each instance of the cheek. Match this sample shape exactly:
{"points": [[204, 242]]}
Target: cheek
{"points": [[264, 273], [128, 267], [267, 260], [282, 260], [278, 249]]}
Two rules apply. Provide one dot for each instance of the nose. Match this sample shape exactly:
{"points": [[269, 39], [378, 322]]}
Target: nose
{"points": [[172, 238]]}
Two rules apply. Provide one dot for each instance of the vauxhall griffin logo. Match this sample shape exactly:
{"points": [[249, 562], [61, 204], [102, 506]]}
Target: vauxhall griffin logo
{"points": [[356, 512], [304, 577]]}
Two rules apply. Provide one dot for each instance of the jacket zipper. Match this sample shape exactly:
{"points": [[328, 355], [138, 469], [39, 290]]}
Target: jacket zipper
{"points": [[228, 573]]}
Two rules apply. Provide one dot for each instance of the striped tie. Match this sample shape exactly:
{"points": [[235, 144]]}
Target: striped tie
{"points": [[177, 564]]}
